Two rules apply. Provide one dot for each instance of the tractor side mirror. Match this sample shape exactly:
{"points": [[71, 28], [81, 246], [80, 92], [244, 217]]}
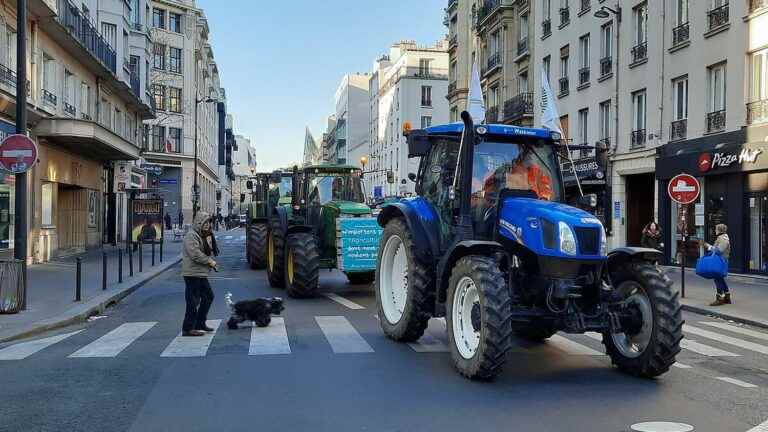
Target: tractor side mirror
{"points": [[242, 197], [249, 185], [589, 200], [412, 177]]}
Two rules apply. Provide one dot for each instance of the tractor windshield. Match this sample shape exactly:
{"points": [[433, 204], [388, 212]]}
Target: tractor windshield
{"points": [[325, 187], [284, 187], [515, 166]]}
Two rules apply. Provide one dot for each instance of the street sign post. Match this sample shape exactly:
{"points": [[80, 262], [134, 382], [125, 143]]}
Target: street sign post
{"points": [[18, 153], [683, 189]]}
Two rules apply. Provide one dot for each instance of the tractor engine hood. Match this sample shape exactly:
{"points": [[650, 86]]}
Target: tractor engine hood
{"points": [[349, 207], [536, 225]]}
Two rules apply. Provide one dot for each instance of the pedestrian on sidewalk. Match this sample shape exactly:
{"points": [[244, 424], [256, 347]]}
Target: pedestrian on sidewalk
{"points": [[168, 221], [651, 237], [181, 220], [721, 247], [197, 262]]}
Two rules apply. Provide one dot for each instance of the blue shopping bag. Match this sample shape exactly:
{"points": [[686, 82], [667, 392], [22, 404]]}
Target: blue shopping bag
{"points": [[712, 266]]}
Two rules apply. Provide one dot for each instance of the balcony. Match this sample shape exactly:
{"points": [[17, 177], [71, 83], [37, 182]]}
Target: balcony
{"points": [[493, 63], [69, 109], [8, 77], [492, 116], [606, 66], [565, 16], [82, 136], [453, 42], [48, 97], [585, 6], [637, 139], [522, 46], [564, 87], [451, 87], [754, 5], [583, 76], [680, 34], [716, 121], [85, 32], [546, 28], [718, 17], [486, 10], [518, 107], [678, 130], [639, 53], [757, 112]]}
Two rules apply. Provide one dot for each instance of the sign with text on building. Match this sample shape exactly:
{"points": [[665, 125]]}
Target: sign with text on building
{"points": [[18, 153], [684, 189]]}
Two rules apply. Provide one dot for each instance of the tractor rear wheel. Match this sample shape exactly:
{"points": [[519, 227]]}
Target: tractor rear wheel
{"points": [[257, 245], [478, 317], [302, 264], [276, 255], [404, 286], [361, 278], [650, 349]]}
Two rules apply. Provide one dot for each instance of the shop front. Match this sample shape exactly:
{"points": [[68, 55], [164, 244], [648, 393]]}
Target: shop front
{"points": [[591, 175], [732, 169]]}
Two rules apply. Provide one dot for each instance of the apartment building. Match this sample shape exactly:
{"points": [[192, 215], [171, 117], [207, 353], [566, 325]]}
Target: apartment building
{"points": [[497, 36], [409, 84], [186, 91], [225, 199], [312, 151], [350, 133], [85, 106]]}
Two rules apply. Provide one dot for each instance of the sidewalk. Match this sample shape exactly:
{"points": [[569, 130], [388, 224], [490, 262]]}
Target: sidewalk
{"points": [[749, 294], [51, 287]]}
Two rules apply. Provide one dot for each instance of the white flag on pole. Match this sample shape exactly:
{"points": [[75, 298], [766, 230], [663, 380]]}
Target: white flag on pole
{"points": [[550, 119], [475, 103]]}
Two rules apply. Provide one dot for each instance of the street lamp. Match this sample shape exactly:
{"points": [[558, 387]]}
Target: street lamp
{"points": [[195, 185], [363, 161]]}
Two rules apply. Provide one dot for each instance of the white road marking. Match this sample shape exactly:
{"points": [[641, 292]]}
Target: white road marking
{"points": [[229, 237], [571, 347], [706, 350], [594, 335], [762, 427], [342, 337], [681, 365], [272, 339], [661, 426], [734, 381], [22, 350], [242, 237], [342, 301], [735, 329], [114, 342], [751, 346], [191, 346]]}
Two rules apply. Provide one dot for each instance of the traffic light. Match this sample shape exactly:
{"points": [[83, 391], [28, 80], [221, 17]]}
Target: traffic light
{"points": [[390, 176]]}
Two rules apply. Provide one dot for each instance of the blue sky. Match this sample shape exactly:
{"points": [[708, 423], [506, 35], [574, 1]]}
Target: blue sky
{"points": [[281, 61]]}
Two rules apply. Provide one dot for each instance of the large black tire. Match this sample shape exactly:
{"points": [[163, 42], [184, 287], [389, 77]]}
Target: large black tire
{"points": [[667, 331], [495, 307], [302, 259], [257, 245], [276, 255], [420, 288], [361, 278]]}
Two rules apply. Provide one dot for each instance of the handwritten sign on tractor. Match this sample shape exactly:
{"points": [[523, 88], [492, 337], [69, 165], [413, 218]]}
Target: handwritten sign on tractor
{"points": [[357, 243]]}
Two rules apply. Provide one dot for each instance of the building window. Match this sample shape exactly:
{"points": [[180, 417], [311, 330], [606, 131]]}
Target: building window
{"points": [[640, 20], [174, 99], [583, 125], [454, 114], [158, 56], [426, 96], [584, 59], [85, 101], [135, 13], [70, 93], [605, 121], [522, 44], [158, 18], [681, 12], [174, 60], [606, 49], [522, 82], [158, 92], [174, 140], [546, 63], [757, 108], [158, 138], [638, 119], [8, 58], [564, 82], [426, 121], [679, 127], [424, 67], [174, 22], [109, 32], [716, 98]]}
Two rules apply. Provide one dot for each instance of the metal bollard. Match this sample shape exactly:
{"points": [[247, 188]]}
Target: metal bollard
{"points": [[141, 258], [103, 271], [130, 261], [153, 254], [78, 280], [119, 266], [161, 249]]}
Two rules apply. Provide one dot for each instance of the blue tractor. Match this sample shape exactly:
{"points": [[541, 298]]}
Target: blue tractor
{"points": [[488, 244]]}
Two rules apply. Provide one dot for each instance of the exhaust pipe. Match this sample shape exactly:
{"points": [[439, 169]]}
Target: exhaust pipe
{"points": [[462, 180]]}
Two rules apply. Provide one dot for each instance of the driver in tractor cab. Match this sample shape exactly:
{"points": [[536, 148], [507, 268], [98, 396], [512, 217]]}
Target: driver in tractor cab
{"points": [[337, 189], [493, 172]]}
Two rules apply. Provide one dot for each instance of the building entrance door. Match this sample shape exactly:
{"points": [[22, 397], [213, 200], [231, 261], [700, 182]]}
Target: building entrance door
{"points": [[757, 209], [72, 219], [640, 202]]}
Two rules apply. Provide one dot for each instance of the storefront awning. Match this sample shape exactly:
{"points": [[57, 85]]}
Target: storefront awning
{"points": [[88, 138], [718, 159]]}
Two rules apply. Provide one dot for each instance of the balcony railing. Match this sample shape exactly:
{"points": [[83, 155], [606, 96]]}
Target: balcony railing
{"points": [[637, 139], [70, 109], [606, 66], [136, 85], [583, 76], [451, 87], [522, 46], [49, 97], [8, 77], [639, 52], [757, 4], [454, 41], [81, 28], [546, 27], [565, 16], [757, 112], [716, 121], [678, 130], [680, 34], [452, 3], [486, 10], [493, 62], [492, 116], [518, 107], [584, 6], [85, 116], [718, 17], [564, 86]]}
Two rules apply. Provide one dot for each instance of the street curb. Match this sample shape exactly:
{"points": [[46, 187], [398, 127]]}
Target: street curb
{"points": [[94, 306], [734, 318]]}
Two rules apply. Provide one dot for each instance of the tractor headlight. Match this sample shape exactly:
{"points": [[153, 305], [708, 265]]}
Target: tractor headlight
{"points": [[567, 239], [603, 241]]}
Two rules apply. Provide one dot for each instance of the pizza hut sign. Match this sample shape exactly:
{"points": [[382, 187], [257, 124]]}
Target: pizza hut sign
{"points": [[710, 161]]}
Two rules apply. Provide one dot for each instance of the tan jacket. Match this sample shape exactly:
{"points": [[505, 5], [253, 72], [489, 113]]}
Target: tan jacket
{"points": [[723, 244], [194, 262]]}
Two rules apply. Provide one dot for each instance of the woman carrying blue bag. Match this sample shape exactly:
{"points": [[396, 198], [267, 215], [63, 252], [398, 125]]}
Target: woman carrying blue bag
{"points": [[722, 247]]}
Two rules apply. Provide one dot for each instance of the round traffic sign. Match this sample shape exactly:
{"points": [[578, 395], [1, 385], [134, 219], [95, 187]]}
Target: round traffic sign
{"points": [[684, 189], [18, 153]]}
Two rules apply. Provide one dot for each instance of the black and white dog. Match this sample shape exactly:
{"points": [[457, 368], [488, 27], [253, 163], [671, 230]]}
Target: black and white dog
{"points": [[259, 311]]}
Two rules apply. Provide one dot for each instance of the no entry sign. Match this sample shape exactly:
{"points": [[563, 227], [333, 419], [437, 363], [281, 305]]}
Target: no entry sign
{"points": [[684, 189], [18, 153]]}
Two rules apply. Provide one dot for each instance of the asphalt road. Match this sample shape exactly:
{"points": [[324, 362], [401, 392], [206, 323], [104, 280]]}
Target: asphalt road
{"points": [[326, 366]]}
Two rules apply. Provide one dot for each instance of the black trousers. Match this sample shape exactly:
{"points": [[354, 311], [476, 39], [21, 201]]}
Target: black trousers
{"points": [[199, 296]]}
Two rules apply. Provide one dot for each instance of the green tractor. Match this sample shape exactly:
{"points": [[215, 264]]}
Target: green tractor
{"points": [[328, 225], [268, 190]]}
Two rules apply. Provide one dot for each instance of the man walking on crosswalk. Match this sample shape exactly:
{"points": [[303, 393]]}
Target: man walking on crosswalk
{"points": [[197, 262]]}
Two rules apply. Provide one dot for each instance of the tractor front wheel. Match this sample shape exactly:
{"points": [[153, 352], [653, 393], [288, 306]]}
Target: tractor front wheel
{"points": [[257, 245], [478, 317], [649, 347], [276, 255], [302, 264]]}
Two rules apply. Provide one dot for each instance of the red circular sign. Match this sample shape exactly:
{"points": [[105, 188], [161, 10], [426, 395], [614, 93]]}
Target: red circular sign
{"points": [[18, 153], [684, 189]]}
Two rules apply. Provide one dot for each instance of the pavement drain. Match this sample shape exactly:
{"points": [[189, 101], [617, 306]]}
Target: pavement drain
{"points": [[661, 427]]}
